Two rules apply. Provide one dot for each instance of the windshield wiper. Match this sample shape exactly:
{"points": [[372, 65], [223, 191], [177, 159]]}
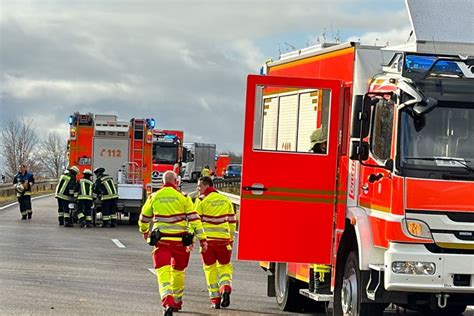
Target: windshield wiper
{"points": [[461, 162]]}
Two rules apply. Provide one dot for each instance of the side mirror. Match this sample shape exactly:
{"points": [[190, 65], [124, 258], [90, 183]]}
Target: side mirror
{"points": [[389, 165], [425, 106], [359, 151], [361, 116]]}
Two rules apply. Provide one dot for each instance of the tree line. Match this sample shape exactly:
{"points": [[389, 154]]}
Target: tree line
{"points": [[21, 144]]}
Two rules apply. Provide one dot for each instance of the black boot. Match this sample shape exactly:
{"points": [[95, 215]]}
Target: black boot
{"points": [[68, 222], [23, 217], [105, 224], [168, 311], [225, 299], [61, 221], [113, 223], [30, 214], [322, 287]]}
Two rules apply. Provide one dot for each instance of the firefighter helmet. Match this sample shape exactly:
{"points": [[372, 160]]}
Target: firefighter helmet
{"points": [[87, 171], [19, 188], [99, 171], [74, 169], [318, 136]]}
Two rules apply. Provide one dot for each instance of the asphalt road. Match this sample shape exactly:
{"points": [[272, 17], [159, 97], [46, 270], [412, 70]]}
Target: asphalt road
{"points": [[50, 270]]}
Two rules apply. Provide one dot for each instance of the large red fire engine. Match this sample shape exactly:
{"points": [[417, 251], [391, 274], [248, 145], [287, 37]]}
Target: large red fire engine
{"points": [[167, 151], [389, 205], [123, 148]]}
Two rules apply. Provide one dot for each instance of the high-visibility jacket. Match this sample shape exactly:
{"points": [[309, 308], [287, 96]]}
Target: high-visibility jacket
{"points": [[84, 189], [65, 187], [172, 213], [217, 216], [105, 187], [205, 172]]}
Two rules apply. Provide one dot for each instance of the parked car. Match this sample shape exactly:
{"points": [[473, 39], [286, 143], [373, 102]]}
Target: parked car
{"points": [[233, 171]]}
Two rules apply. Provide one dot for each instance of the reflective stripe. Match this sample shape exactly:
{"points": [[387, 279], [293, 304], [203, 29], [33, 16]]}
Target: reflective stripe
{"points": [[213, 285], [170, 219], [215, 220], [225, 275], [144, 219], [88, 218], [60, 214], [85, 189], [165, 284], [192, 217], [199, 231], [80, 215], [165, 293], [213, 294]]}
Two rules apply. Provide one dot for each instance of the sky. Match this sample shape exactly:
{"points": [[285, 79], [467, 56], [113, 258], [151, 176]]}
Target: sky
{"points": [[183, 63]]}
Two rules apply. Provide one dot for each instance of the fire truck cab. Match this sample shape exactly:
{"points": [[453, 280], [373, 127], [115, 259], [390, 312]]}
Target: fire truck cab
{"points": [[388, 204], [167, 151]]}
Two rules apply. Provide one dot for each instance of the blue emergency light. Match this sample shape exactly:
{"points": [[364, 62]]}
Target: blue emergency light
{"points": [[70, 119], [151, 123]]}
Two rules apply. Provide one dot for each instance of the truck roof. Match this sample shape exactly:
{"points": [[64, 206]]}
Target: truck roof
{"points": [[440, 27]]}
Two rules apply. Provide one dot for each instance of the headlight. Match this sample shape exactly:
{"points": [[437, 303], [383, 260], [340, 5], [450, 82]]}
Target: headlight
{"points": [[418, 228], [413, 267]]}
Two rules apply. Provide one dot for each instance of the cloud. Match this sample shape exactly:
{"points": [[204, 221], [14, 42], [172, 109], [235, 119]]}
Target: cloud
{"points": [[183, 62]]}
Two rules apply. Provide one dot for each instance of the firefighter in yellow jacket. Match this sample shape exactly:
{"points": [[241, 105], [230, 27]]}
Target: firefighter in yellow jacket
{"points": [[219, 223], [84, 193], [173, 217]]}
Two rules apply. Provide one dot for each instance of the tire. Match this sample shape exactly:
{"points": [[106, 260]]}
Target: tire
{"points": [[133, 218], [287, 293], [348, 292]]}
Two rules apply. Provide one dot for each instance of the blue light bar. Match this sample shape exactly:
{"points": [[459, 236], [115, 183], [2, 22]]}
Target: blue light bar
{"points": [[70, 119], [151, 123]]}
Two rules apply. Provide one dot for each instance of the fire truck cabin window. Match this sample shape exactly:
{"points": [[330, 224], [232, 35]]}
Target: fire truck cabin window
{"points": [[291, 119], [382, 129]]}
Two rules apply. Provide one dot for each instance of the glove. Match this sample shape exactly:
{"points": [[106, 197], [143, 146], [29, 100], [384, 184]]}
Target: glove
{"points": [[203, 245]]}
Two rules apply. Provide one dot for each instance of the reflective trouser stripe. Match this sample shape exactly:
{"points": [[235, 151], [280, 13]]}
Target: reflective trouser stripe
{"points": [[106, 217], [322, 269], [177, 284], [23, 213], [212, 274], [113, 216], [164, 278], [80, 215], [88, 218], [225, 274]]}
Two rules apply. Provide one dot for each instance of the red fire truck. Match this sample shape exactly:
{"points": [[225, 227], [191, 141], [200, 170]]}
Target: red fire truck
{"points": [[123, 148], [389, 204], [167, 151]]}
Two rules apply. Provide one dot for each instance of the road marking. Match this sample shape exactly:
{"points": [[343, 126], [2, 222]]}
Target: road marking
{"points": [[33, 198], [152, 271], [118, 243]]}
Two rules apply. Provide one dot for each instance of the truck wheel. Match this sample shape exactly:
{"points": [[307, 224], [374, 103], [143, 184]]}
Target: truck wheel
{"points": [[287, 293], [348, 293], [194, 177], [133, 218]]}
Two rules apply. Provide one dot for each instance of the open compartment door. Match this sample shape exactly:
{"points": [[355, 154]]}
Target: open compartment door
{"points": [[288, 192]]}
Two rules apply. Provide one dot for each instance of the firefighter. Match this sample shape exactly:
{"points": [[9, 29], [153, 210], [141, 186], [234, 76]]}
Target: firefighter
{"points": [[106, 191], [173, 217], [206, 172], [23, 182], [84, 199], [219, 223], [65, 195], [319, 141]]}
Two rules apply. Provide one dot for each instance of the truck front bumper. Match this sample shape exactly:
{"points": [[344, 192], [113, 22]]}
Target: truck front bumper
{"points": [[448, 267]]}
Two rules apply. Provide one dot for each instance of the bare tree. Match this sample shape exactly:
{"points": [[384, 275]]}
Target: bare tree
{"points": [[53, 155], [18, 143]]}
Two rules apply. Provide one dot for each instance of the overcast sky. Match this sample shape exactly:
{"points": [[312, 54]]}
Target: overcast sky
{"points": [[182, 62]]}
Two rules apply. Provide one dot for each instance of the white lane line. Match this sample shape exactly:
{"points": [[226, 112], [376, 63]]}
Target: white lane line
{"points": [[118, 243], [152, 271], [33, 198]]}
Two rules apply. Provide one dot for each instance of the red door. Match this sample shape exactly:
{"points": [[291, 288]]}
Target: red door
{"points": [[288, 192]]}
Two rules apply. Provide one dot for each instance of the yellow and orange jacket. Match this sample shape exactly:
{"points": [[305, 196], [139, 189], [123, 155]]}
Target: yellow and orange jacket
{"points": [[170, 212], [217, 216]]}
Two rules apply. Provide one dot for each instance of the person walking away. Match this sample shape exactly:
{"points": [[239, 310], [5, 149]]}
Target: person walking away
{"points": [[23, 182], [173, 217], [219, 223], [206, 172], [65, 194], [106, 190], [84, 199]]}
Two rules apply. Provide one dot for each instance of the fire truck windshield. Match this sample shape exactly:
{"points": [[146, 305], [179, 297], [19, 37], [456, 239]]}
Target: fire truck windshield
{"points": [[165, 153], [442, 139]]}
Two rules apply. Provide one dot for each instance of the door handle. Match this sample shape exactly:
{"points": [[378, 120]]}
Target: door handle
{"points": [[255, 188]]}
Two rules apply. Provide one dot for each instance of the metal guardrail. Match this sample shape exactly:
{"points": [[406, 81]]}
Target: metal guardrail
{"points": [[229, 183], [7, 189]]}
